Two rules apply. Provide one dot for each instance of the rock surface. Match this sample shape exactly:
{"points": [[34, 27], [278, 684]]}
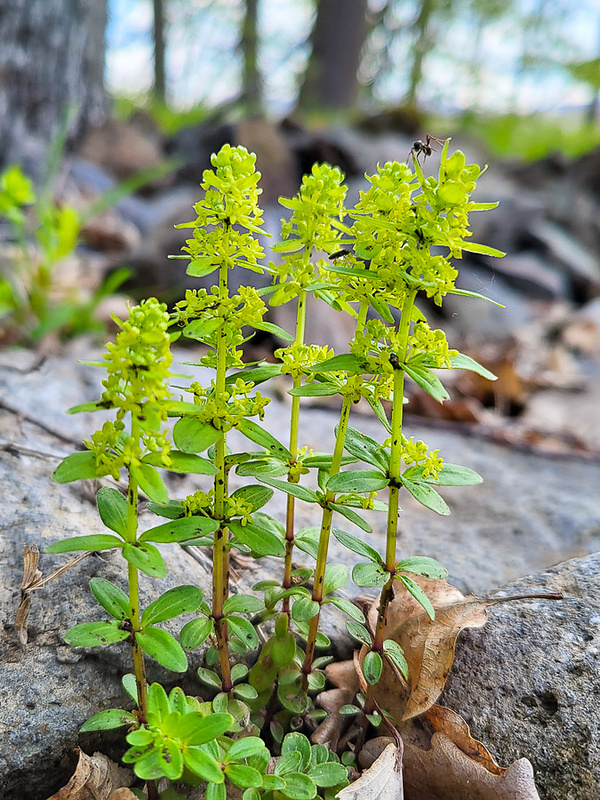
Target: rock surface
{"points": [[528, 682], [531, 512]]}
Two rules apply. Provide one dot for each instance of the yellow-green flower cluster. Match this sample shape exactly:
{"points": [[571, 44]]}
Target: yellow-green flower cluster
{"points": [[433, 344], [319, 202], [198, 504], [297, 359], [230, 199], [419, 454], [226, 411], [137, 366], [239, 507]]}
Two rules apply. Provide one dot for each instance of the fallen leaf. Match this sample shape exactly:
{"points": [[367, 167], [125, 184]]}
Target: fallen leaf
{"points": [[444, 720], [331, 728], [95, 778], [382, 781], [122, 794], [444, 772], [428, 645], [31, 577]]}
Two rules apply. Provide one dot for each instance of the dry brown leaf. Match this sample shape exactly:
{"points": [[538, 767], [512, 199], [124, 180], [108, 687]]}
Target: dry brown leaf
{"points": [[31, 577], [95, 778], [122, 794], [444, 720], [382, 781], [444, 772], [428, 645], [334, 724]]}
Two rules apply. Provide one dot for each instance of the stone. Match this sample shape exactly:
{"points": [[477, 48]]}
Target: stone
{"points": [[528, 682]]}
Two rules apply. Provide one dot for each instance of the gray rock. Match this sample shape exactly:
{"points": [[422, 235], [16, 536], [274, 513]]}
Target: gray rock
{"points": [[532, 511], [528, 683]]}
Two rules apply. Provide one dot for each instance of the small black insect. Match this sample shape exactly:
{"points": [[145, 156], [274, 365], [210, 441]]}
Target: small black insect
{"points": [[425, 148], [339, 254]]}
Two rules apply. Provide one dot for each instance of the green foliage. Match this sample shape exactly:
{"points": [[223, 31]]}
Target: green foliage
{"points": [[398, 242]]}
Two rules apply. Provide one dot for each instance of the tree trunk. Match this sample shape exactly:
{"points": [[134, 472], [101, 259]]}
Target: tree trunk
{"points": [[423, 44], [158, 32], [251, 90], [51, 71], [337, 39]]}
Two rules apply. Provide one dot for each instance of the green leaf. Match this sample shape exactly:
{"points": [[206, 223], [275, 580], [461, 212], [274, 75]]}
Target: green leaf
{"points": [[112, 507], [200, 763], [245, 692], [173, 603], [179, 530], [258, 435], [283, 650], [109, 719], [427, 496], [77, 466], [130, 686], [272, 783], [256, 495], [256, 375], [172, 510], [243, 776], [422, 565], [97, 541], [428, 381], [462, 361], [473, 247], [158, 702], [358, 546], [111, 598], [290, 761], [449, 475], [150, 483], [244, 630], [217, 791], [396, 654], [328, 774], [261, 541], [288, 246], [358, 631], [245, 748], [476, 295], [297, 742], [352, 516], [193, 436], [346, 362], [372, 667], [316, 389], [275, 330], [209, 677], [299, 786], [301, 492], [182, 462], [366, 449], [208, 728], [305, 608], [147, 558], [162, 647], [418, 594], [95, 405], [381, 308], [95, 634], [336, 577], [200, 328], [347, 607], [370, 575], [357, 480], [195, 632], [307, 540], [242, 604]]}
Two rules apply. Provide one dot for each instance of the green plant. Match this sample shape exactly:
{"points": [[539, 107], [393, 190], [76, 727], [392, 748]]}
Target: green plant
{"points": [[384, 253]]}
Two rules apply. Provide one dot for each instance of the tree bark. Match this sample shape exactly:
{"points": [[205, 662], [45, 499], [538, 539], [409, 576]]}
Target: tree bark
{"points": [[158, 33], [251, 91], [51, 75], [337, 38]]}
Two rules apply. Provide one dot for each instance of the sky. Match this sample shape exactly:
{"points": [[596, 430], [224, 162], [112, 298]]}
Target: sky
{"points": [[473, 66]]}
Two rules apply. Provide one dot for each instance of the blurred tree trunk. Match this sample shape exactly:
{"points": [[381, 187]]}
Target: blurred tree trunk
{"points": [[159, 89], [424, 42], [251, 88], [337, 38], [51, 69]]}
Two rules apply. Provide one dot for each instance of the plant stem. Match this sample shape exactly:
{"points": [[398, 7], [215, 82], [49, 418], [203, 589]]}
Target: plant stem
{"points": [[139, 667], [293, 448], [395, 472], [319, 575], [221, 537]]}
